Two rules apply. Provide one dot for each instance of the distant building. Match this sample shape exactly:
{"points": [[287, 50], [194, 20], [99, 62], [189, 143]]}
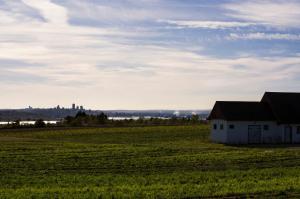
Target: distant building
{"points": [[73, 106], [275, 119]]}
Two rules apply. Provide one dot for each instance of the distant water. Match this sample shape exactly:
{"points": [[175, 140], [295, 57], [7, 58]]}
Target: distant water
{"points": [[110, 118], [135, 118], [28, 122]]}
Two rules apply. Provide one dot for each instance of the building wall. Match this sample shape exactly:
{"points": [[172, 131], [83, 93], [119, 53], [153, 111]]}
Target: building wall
{"points": [[295, 134], [218, 135], [274, 135], [279, 135], [239, 134]]}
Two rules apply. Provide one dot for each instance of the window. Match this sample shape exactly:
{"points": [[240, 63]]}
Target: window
{"points": [[231, 126], [221, 126], [298, 129], [266, 127], [215, 126]]}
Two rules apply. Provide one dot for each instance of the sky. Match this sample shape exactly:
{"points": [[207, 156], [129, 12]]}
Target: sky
{"points": [[146, 54]]}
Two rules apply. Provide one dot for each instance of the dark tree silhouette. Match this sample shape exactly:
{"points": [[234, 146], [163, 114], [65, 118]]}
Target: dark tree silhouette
{"points": [[80, 114], [39, 123], [101, 118]]}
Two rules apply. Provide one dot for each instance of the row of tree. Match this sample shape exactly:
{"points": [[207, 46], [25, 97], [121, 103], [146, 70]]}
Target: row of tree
{"points": [[17, 124], [81, 119]]}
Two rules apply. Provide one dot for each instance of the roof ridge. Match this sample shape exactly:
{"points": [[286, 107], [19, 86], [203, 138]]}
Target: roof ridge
{"points": [[241, 101], [278, 92]]}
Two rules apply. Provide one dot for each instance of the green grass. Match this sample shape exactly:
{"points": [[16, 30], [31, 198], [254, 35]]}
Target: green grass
{"points": [[142, 162]]}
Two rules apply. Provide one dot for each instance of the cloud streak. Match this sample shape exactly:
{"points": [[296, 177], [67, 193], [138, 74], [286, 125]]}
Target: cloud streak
{"points": [[105, 54], [51, 12], [278, 13], [264, 36], [208, 24]]}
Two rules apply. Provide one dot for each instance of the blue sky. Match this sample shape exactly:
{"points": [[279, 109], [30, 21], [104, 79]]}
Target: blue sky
{"points": [[146, 54]]}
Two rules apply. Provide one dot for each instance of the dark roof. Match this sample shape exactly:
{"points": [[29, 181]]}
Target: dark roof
{"points": [[241, 111], [285, 106]]}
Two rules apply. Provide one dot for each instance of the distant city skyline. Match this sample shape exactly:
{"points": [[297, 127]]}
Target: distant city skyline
{"points": [[147, 54], [72, 106]]}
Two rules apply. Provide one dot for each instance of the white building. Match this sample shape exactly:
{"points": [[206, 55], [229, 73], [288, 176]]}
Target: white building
{"points": [[275, 119]]}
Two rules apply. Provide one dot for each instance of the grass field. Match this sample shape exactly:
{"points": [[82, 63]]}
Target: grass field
{"points": [[142, 162]]}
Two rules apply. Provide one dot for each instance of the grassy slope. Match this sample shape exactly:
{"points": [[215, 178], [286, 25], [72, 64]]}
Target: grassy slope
{"points": [[145, 162]]}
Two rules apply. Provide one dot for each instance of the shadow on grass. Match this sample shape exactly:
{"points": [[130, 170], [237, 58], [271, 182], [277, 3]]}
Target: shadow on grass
{"points": [[268, 194], [264, 145]]}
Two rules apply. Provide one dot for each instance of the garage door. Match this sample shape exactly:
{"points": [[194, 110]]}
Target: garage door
{"points": [[254, 134]]}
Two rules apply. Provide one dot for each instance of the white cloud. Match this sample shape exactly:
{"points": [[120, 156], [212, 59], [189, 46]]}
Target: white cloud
{"points": [[120, 11], [264, 36], [15, 12], [208, 24], [53, 13], [278, 13], [101, 66]]}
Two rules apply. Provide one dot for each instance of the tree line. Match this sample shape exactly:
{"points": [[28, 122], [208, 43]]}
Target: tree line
{"points": [[81, 119]]}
